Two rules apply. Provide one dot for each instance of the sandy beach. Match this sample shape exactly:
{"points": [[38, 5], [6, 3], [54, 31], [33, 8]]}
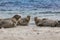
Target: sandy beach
{"points": [[30, 33]]}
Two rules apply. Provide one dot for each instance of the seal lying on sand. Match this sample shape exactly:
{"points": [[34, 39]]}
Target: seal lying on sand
{"points": [[45, 22], [9, 22], [24, 21]]}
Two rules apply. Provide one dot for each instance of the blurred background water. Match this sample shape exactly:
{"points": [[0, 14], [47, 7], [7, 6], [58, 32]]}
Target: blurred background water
{"points": [[29, 5], [39, 8], [50, 15]]}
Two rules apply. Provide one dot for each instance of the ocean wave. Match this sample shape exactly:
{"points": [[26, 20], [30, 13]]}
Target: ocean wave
{"points": [[28, 4]]}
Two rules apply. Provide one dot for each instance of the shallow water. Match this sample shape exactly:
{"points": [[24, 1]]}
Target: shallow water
{"points": [[7, 14]]}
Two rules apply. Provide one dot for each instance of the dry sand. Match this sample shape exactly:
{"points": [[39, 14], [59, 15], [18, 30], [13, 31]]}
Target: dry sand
{"points": [[30, 33]]}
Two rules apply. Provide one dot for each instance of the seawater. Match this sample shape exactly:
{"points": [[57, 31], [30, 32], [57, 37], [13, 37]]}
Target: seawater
{"points": [[7, 14]]}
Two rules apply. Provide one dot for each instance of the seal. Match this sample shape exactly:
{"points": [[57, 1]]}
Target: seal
{"points": [[45, 22], [9, 22], [24, 21]]}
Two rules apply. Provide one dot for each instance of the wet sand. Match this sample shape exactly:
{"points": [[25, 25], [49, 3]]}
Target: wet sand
{"points": [[30, 33]]}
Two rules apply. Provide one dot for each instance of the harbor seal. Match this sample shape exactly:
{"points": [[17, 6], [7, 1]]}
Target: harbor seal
{"points": [[24, 21], [45, 22], [9, 22]]}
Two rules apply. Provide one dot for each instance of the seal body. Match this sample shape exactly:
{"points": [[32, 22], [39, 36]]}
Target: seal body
{"points": [[9, 22], [45, 22]]}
